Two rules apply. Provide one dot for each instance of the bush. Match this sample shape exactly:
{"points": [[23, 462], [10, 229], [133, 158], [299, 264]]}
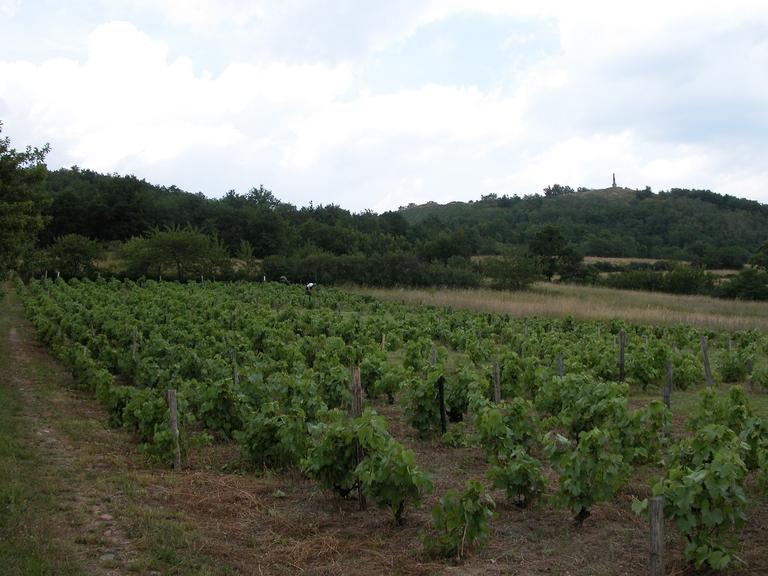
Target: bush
{"points": [[388, 473], [703, 495], [274, 437], [519, 475], [460, 520], [589, 472], [331, 454], [421, 403]]}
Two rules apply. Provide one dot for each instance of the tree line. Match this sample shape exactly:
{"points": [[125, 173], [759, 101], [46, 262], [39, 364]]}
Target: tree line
{"points": [[67, 220]]}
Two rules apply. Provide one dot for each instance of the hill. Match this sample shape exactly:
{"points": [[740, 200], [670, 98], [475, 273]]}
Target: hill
{"points": [[697, 226]]}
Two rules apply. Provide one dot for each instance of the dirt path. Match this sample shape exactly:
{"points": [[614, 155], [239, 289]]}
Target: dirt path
{"points": [[66, 431]]}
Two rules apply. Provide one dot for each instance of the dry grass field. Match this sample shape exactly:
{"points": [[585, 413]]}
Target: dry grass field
{"points": [[592, 303]]}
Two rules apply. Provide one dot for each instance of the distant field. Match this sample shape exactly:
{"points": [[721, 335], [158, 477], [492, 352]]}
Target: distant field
{"points": [[591, 303], [618, 261]]}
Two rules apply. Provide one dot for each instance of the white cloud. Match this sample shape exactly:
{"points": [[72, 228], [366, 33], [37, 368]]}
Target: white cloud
{"points": [[447, 114], [664, 94], [9, 7], [128, 103]]}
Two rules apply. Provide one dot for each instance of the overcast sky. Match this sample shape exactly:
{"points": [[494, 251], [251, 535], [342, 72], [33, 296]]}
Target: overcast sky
{"points": [[373, 105]]}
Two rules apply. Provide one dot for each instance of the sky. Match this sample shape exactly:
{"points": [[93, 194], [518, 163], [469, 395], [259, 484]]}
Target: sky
{"points": [[375, 105]]}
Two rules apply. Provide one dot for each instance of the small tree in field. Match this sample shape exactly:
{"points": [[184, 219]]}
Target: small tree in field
{"points": [[76, 255], [516, 269]]}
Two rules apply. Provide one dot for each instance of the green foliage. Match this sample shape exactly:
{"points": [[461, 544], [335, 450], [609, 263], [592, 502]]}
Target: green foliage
{"points": [[501, 429], [460, 520], [638, 435], [556, 256], [388, 473], [687, 370], [334, 381], [733, 365], [762, 478], [331, 455], [181, 252], [218, 405], [22, 201], [115, 399], [749, 284], [421, 404], [646, 363], [146, 412], [760, 258], [760, 377], [519, 475], [455, 436], [732, 413], [417, 354], [394, 378], [589, 472], [76, 256], [581, 402], [459, 388], [514, 270], [681, 279], [274, 437], [373, 366], [703, 495]]}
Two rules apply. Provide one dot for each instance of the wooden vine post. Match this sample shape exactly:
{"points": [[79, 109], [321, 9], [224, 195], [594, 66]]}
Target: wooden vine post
{"points": [[235, 377], [174, 421], [668, 389], [496, 383], [357, 412], [560, 367], [707, 369], [433, 357], [441, 400], [622, 344], [656, 526]]}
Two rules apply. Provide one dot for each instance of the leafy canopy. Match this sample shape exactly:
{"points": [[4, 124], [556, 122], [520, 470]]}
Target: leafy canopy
{"points": [[22, 200]]}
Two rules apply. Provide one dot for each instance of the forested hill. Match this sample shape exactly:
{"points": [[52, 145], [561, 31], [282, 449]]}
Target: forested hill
{"points": [[693, 225]]}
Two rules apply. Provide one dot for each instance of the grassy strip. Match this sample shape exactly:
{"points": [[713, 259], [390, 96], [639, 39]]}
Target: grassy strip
{"points": [[589, 303], [28, 542], [75, 496]]}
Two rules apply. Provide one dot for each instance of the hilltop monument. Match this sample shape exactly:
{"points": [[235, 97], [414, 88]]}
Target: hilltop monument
{"points": [[614, 179]]}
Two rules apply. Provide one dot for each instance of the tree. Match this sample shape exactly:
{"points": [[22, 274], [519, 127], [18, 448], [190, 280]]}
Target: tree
{"points": [[75, 255], [180, 248], [248, 265], [22, 200], [760, 257], [516, 269], [556, 255], [557, 190]]}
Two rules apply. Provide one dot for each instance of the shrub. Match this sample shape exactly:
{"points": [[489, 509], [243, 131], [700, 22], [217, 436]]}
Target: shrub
{"points": [[460, 520]]}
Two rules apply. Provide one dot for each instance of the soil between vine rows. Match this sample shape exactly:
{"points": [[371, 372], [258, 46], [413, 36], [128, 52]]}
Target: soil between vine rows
{"points": [[279, 522]]}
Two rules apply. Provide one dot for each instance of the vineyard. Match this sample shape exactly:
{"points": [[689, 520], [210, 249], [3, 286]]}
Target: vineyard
{"points": [[541, 414]]}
